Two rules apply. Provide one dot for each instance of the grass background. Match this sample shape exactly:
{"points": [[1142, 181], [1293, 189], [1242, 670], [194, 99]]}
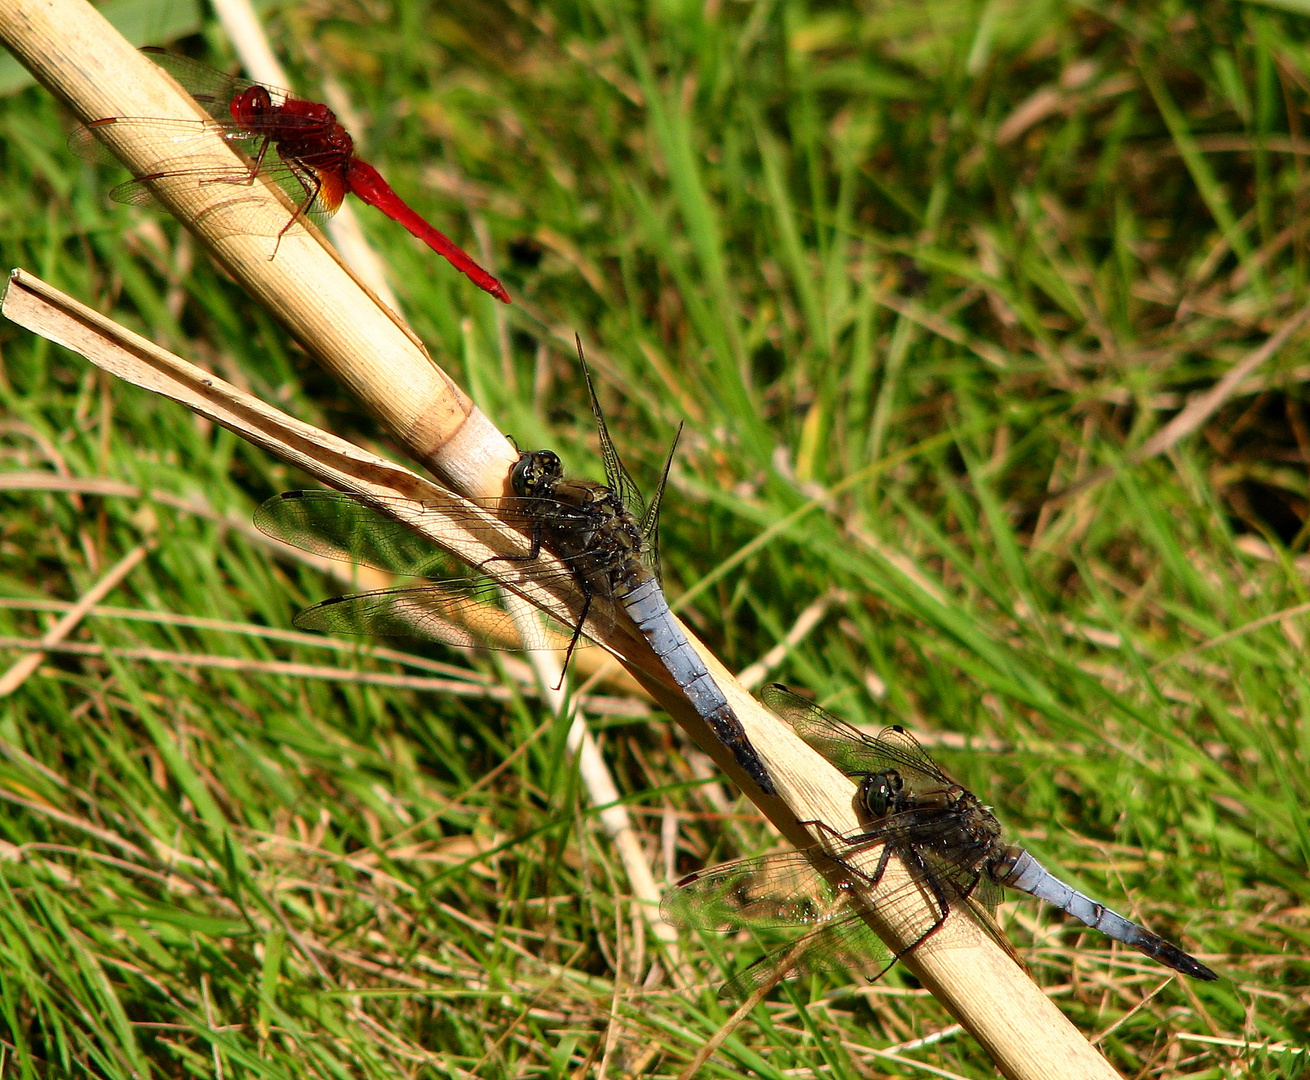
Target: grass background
{"points": [[906, 270]]}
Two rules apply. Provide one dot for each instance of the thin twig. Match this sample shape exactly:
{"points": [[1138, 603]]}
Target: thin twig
{"points": [[12, 679], [601, 789], [734, 1021], [453, 687], [1196, 413]]}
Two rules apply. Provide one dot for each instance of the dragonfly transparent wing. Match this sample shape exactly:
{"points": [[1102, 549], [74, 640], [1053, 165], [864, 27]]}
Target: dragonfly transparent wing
{"points": [[187, 160], [464, 611], [788, 890], [779, 891], [792, 889], [650, 523], [767, 892], [851, 750], [213, 89], [617, 477], [182, 136], [847, 945], [340, 527]]}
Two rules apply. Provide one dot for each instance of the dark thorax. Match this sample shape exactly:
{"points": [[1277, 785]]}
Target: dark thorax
{"points": [[580, 521], [946, 819]]}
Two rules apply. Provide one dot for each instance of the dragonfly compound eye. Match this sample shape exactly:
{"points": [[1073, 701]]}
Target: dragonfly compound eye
{"points": [[878, 794], [252, 104]]}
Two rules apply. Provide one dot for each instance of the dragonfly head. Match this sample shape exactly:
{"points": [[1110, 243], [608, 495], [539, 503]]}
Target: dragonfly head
{"points": [[535, 472]]}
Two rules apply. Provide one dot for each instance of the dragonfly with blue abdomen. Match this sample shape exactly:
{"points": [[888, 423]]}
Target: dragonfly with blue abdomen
{"points": [[581, 536], [950, 844]]}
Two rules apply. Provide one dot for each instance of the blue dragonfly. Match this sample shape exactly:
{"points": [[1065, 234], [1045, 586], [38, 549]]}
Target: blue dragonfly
{"points": [[949, 842], [597, 540]]}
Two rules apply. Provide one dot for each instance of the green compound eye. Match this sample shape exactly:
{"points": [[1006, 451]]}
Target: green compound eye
{"points": [[878, 791]]}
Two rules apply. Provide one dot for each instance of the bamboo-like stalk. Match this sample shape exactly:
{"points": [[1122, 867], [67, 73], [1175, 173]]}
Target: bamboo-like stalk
{"points": [[75, 53]]}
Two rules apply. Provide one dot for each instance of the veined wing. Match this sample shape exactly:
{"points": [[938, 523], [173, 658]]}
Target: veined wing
{"points": [[777, 891], [184, 136], [771, 891], [620, 481], [851, 750], [213, 89], [848, 944], [791, 890], [795, 888], [650, 521], [322, 190], [617, 478], [465, 610], [340, 526]]}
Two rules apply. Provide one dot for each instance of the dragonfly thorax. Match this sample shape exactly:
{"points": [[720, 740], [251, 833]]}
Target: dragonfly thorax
{"points": [[579, 519], [886, 794]]}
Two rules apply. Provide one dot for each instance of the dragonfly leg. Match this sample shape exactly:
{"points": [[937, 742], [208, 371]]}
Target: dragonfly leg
{"points": [[248, 177], [913, 862], [869, 880], [533, 552], [577, 630], [312, 185], [943, 905], [883, 856], [821, 826]]}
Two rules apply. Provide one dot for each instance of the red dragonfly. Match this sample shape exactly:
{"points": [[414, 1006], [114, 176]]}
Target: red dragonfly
{"points": [[300, 144]]}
